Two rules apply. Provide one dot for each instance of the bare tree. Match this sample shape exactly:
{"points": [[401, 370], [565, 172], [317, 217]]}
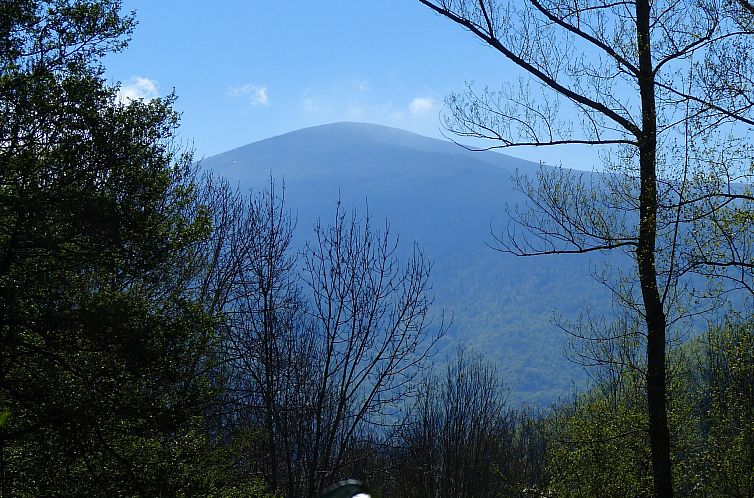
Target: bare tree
{"points": [[324, 349], [373, 337], [645, 79], [464, 440], [250, 280], [269, 340]]}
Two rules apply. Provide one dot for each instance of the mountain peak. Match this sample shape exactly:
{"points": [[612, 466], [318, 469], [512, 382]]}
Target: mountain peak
{"points": [[363, 130], [357, 141]]}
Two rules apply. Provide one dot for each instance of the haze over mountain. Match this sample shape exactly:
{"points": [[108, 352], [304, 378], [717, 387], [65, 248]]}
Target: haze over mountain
{"points": [[445, 198]]}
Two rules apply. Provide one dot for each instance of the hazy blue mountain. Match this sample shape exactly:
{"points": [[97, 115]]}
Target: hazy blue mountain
{"points": [[445, 198]]}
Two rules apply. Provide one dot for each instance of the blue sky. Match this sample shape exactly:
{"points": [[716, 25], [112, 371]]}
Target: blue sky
{"points": [[249, 70]]}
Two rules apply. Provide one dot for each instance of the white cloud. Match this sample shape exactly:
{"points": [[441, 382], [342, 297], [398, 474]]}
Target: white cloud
{"points": [[257, 94], [345, 101], [356, 110], [138, 88], [362, 85], [310, 105], [421, 105]]}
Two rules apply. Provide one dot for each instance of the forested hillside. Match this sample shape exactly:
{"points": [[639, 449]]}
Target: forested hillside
{"points": [[450, 202]]}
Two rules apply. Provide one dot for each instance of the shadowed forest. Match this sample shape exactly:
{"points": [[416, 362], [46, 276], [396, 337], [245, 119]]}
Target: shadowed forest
{"points": [[163, 335]]}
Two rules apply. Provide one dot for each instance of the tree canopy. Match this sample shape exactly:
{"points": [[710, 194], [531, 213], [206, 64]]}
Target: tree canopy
{"points": [[103, 339]]}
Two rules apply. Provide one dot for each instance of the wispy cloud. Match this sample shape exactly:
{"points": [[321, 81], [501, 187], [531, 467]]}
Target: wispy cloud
{"points": [[421, 105], [310, 105], [257, 95], [362, 84], [357, 100], [138, 88]]}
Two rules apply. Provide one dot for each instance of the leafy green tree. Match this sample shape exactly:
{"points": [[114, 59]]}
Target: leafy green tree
{"points": [[599, 446], [725, 400], [103, 338]]}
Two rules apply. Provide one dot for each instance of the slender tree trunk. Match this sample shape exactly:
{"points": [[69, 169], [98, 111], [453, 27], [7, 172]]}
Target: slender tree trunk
{"points": [[270, 369], [659, 434]]}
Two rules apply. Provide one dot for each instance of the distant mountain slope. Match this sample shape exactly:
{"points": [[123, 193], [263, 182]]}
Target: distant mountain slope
{"points": [[445, 198]]}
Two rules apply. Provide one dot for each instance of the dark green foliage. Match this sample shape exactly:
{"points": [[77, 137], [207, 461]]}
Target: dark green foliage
{"points": [[102, 337]]}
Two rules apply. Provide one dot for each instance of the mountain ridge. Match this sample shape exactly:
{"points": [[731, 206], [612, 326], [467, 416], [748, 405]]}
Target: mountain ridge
{"points": [[446, 199]]}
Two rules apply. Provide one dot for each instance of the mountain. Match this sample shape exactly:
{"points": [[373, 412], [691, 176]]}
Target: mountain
{"points": [[445, 198]]}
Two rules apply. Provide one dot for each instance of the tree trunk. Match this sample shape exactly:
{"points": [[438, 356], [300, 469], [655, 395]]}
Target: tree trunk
{"points": [[659, 434]]}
